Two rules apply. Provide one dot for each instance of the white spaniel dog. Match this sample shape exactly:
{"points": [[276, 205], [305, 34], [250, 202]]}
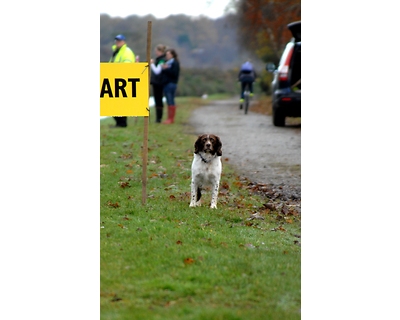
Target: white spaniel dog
{"points": [[206, 168]]}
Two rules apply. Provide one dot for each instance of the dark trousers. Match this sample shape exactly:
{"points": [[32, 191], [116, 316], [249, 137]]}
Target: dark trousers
{"points": [[121, 121], [158, 100], [169, 91], [158, 95], [244, 84]]}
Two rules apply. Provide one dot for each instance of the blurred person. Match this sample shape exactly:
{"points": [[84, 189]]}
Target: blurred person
{"points": [[121, 54], [246, 76], [169, 79], [155, 80]]}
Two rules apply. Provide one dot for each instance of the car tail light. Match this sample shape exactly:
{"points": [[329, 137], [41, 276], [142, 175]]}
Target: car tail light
{"points": [[286, 99], [284, 70]]}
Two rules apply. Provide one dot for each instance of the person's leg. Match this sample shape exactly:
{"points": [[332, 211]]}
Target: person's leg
{"points": [[158, 96], [169, 91], [243, 87], [121, 122], [168, 94], [173, 87], [251, 88]]}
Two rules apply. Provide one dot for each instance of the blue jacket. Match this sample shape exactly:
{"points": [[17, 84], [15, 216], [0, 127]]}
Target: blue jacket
{"points": [[171, 74]]}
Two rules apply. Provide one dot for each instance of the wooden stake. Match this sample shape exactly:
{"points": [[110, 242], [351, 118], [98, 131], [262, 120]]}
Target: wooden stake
{"points": [[146, 122]]}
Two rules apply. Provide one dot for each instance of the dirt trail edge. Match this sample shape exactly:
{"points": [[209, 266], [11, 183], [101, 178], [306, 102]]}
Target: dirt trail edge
{"points": [[264, 154]]}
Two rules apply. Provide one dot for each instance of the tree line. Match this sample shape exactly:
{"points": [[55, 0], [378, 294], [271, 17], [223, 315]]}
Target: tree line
{"points": [[210, 50]]}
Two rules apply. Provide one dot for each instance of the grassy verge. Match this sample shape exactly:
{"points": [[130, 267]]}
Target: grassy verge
{"points": [[164, 260], [263, 105]]}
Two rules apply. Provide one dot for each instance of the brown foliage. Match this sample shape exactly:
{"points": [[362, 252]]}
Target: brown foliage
{"points": [[263, 24]]}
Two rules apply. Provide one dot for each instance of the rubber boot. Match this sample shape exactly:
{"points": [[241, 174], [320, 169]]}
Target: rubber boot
{"points": [[168, 121], [171, 115], [159, 114]]}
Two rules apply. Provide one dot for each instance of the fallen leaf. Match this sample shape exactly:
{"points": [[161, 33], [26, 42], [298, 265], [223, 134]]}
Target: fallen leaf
{"points": [[269, 206], [170, 303], [188, 261], [225, 185], [278, 228], [124, 185], [288, 220], [238, 184], [114, 205], [285, 210], [126, 156], [116, 298], [256, 216]]}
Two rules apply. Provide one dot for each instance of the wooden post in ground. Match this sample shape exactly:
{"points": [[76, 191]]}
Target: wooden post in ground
{"points": [[146, 122]]}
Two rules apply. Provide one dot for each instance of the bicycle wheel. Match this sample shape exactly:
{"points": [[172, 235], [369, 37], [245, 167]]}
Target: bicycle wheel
{"points": [[246, 101]]}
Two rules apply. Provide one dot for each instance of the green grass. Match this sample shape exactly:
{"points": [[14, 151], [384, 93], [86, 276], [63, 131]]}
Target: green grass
{"points": [[164, 260]]}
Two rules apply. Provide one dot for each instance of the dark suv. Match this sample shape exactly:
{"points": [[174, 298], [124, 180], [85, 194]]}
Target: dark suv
{"points": [[286, 85]]}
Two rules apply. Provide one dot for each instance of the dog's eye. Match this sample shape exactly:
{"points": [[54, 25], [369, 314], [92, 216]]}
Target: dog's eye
{"points": [[212, 139]]}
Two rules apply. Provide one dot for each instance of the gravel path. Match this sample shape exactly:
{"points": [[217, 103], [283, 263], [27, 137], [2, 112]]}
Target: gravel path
{"points": [[258, 150]]}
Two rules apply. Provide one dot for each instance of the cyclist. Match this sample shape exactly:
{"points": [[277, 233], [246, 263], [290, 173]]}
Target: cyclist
{"points": [[246, 76]]}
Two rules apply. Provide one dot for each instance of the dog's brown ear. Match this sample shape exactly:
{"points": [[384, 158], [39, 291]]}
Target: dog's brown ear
{"points": [[197, 145], [218, 146]]}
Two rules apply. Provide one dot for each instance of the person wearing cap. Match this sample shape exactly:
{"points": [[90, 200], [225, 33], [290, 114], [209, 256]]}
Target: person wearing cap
{"points": [[121, 54]]}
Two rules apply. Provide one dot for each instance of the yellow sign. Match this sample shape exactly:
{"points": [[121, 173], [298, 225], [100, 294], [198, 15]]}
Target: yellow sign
{"points": [[124, 89]]}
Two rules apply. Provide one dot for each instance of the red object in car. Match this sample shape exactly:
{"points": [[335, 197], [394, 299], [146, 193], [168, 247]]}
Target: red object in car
{"points": [[284, 70]]}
